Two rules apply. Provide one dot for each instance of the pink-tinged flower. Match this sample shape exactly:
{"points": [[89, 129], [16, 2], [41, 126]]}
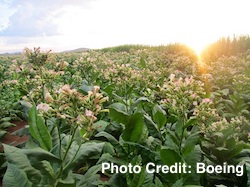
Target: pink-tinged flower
{"points": [[80, 119], [193, 95], [52, 72], [22, 66], [14, 82], [65, 88], [17, 70], [195, 103], [189, 80], [88, 113], [206, 100], [43, 107], [96, 89], [48, 97]]}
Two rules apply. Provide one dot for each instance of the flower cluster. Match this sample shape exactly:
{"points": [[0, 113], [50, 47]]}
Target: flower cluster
{"points": [[236, 128], [74, 107], [185, 98]]}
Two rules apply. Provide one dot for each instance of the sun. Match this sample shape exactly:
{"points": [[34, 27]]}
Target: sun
{"points": [[198, 47]]}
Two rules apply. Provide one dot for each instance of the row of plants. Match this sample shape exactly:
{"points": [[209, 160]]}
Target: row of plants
{"points": [[129, 107]]}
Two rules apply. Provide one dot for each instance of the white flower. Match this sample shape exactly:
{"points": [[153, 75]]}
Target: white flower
{"points": [[43, 107], [171, 77]]}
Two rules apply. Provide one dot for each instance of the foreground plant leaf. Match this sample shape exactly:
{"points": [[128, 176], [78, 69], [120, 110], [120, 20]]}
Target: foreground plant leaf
{"points": [[15, 177], [21, 162], [38, 129]]}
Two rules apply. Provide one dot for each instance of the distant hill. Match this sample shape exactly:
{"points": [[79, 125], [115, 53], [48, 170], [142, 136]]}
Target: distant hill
{"points": [[76, 50], [10, 54]]}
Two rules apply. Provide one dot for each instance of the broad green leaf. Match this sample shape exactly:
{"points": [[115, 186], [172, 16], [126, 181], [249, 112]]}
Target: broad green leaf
{"points": [[5, 119], [89, 150], [2, 133], [69, 181], [39, 130], [159, 116], [47, 170], [106, 157], [191, 159], [190, 122], [15, 177], [85, 87], [170, 143], [152, 127], [133, 128], [101, 125], [178, 183], [140, 100], [109, 137], [142, 179], [38, 154], [17, 157], [146, 153], [190, 143], [169, 156], [6, 124], [117, 113], [248, 173], [90, 177]]}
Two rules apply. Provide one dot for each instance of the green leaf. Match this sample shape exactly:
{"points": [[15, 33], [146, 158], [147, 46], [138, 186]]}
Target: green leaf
{"points": [[2, 133], [190, 122], [38, 154], [142, 179], [89, 150], [169, 156], [16, 157], [140, 100], [69, 181], [133, 128], [171, 143], [15, 177], [48, 175], [5, 119], [142, 63], [248, 173], [178, 183], [85, 87], [91, 176], [190, 143], [191, 159], [117, 113], [152, 127], [6, 124], [39, 130], [159, 116], [101, 125], [109, 137]]}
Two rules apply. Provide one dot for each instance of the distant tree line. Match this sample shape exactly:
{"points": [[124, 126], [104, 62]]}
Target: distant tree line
{"points": [[172, 48], [226, 46]]}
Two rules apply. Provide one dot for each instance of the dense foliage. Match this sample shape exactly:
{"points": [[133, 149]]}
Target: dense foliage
{"points": [[143, 105], [226, 46]]}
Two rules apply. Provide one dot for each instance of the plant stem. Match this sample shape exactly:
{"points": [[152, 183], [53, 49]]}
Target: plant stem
{"points": [[67, 150]]}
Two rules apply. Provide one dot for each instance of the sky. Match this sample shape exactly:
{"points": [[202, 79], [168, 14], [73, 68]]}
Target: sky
{"points": [[70, 24]]}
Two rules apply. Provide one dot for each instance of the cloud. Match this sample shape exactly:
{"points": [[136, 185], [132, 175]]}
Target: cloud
{"points": [[28, 18], [5, 12]]}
